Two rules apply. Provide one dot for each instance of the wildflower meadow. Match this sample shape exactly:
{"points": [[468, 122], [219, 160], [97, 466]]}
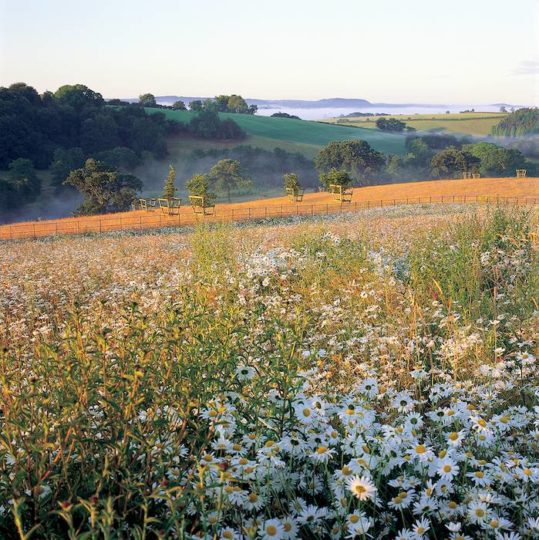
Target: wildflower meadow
{"points": [[367, 375]]}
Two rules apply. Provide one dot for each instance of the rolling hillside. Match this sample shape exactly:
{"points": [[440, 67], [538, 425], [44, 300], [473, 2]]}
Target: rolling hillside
{"points": [[439, 191], [283, 131]]}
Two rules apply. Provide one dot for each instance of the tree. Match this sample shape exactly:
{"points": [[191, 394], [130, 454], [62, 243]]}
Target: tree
{"points": [[179, 105], [207, 125], [291, 182], [237, 104], [23, 177], [226, 175], [103, 187], [195, 105], [169, 189], [390, 124], [65, 160], [147, 100], [199, 185], [523, 121], [335, 177], [452, 161], [495, 160], [356, 157], [79, 96]]}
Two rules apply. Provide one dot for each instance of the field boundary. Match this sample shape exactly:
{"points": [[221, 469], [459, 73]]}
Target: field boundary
{"points": [[157, 220]]}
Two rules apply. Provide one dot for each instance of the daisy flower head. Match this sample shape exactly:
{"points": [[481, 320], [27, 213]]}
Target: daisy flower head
{"points": [[271, 529], [361, 487]]}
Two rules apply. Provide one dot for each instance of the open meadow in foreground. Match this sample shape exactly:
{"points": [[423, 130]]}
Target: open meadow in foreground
{"points": [[368, 375]]}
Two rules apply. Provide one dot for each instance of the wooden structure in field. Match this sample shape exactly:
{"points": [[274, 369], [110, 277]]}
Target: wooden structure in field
{"points": [[476, 175], [201, 205], [148, 204], [342, 193], [170, 207], [295, 194], [521, 173]]}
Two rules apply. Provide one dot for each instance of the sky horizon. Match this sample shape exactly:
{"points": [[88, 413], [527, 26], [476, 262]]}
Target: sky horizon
{"points": [[390, 51]]}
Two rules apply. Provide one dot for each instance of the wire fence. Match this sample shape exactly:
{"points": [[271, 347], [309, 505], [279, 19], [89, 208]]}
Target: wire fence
{"points": [[156, 219]]}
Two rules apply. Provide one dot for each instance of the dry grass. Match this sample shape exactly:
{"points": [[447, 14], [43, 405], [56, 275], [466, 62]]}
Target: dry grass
{"points": [[313, 203]]}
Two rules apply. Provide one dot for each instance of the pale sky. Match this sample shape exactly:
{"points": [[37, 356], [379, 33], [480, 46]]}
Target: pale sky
{"points": [[430, 51]]}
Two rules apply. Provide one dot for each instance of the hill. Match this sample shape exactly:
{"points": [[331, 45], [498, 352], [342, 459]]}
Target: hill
{"points": [[443, 191], [283, 131]]}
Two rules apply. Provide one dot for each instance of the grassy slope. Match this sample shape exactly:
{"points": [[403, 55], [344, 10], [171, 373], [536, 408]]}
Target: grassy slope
{"points": [[285, 130], [484, 187], [464, 123]]}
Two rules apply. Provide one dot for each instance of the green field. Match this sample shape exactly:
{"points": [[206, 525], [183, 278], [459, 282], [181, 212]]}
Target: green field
{"points": [[299, 135], [464, 123]]}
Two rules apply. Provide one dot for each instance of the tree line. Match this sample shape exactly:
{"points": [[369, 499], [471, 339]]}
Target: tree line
{"points": [[61, 130]]}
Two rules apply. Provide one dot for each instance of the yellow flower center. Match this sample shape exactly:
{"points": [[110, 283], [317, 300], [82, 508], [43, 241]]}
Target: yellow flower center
{"points": [[354, 518], [271, 530], [420, 449], [321, 450], [307, 412], [447, 468], [453, 436]]}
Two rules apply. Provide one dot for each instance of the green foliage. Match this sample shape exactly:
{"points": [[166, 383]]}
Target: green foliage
{"points": [[147, 100], [285, 115], [169, 189], [199, 185], [65, 160], [119, 157], [230, 104], [523, 121], [104, 188], [451, 162], [335, 177], [227, 176], [390, 124], [495, 160], [196, 105], [207, 125], [358, 158], [79, 97], [23, 177], [179, 105], [34, 127], [265, 167], [291, 182]]}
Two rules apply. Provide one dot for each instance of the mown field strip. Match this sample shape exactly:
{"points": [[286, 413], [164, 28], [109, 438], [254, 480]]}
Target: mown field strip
{"points": [[483, 190]]}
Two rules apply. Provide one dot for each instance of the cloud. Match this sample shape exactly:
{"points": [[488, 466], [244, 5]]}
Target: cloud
{"points": [[527, 67]]}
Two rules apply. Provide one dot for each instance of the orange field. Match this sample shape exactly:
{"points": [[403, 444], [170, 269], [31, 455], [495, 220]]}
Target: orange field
{"points": [[523, 190]]}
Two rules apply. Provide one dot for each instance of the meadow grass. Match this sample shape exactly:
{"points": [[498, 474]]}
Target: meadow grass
{"points": [[462, 123], [301, 131], [360, 375]]}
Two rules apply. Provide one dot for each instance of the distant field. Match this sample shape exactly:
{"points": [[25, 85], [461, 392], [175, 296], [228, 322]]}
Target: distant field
{"points": [[313, 203], [270, 132], [464, 123]]}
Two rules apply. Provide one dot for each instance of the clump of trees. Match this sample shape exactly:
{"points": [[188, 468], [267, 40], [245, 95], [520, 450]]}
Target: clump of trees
{"points": [[452, 161], [105, 189], [207, 125], [199, 185], [521, 122], [265, 167], [357, 158], [224, 103], [285, 115], [20, 185], [34, 126], [391, 125]]}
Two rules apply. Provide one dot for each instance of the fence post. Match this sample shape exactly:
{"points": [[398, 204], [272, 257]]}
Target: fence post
{"points": [[11, 231], [140, 222], [312, 209], [281, 210]]}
